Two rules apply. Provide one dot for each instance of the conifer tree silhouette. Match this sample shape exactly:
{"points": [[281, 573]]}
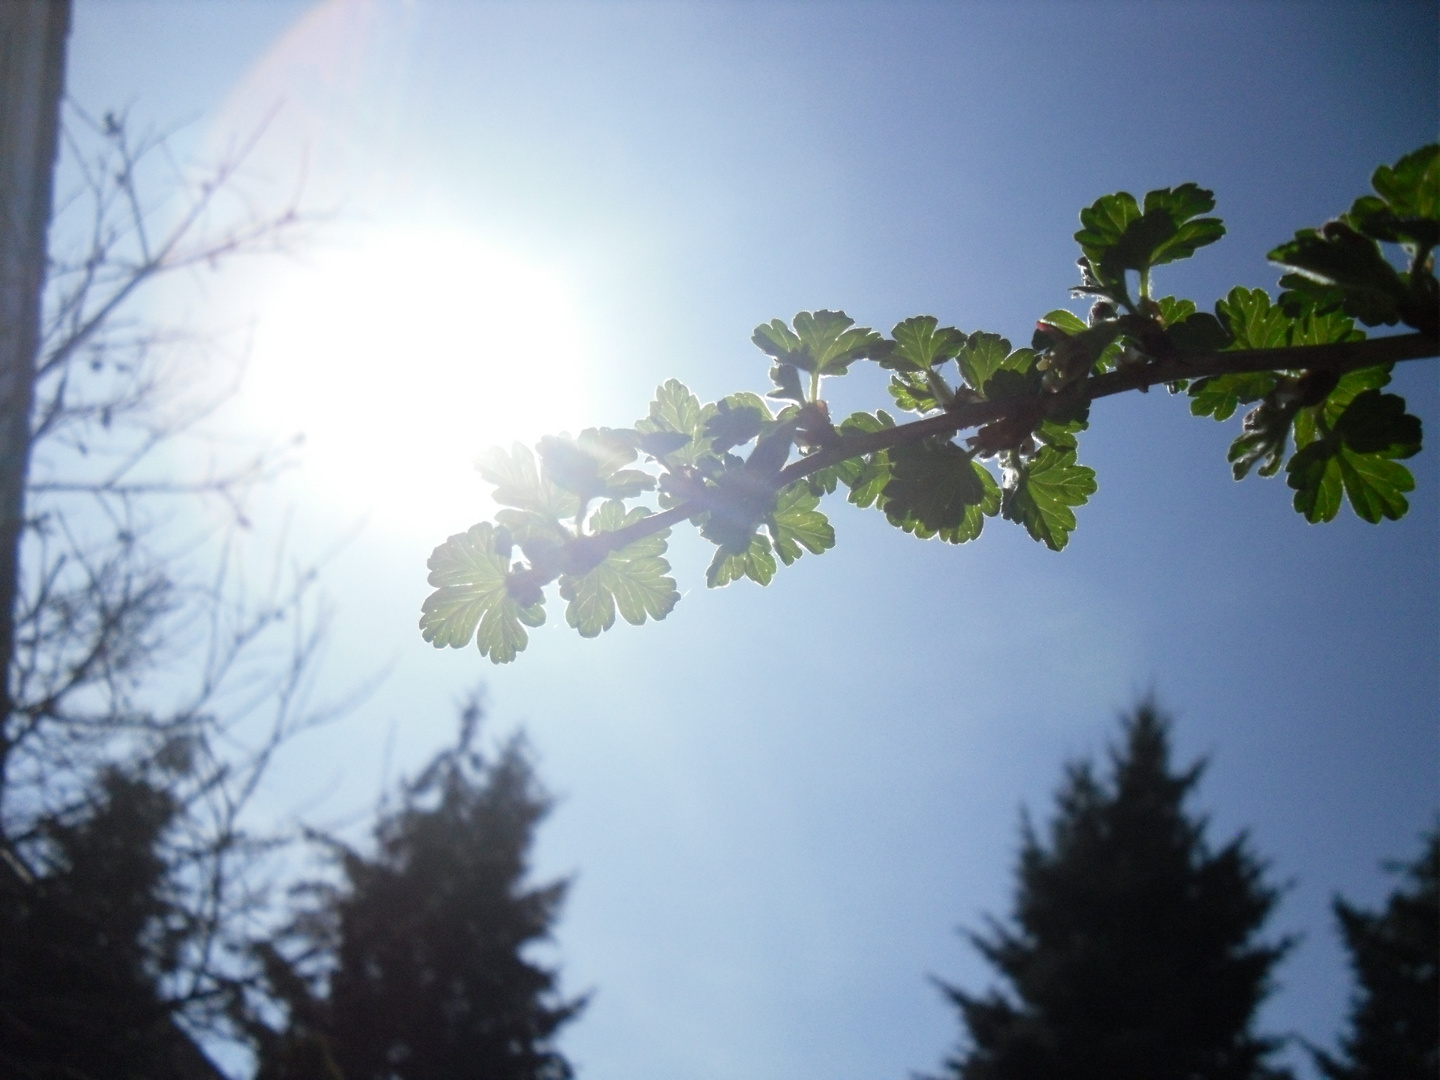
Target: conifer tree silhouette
{"points": [[88, 930], [1132, 952], [423, 945], [1395, 1015]]}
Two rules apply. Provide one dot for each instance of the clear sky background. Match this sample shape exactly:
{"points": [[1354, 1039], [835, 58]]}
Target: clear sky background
{"points": [[778, 805]]}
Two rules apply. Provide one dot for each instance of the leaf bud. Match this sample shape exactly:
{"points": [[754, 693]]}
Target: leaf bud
{"points": [[1101, 311]]}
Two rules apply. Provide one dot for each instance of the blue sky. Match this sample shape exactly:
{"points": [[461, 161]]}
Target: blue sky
{"points": [[779, 804]]}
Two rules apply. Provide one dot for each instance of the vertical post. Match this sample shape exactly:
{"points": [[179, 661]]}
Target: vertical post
{"points": [[32, 78]]}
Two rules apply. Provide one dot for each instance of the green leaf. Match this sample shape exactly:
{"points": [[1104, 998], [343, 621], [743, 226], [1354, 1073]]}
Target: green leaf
{"points": [[1067, 322], [1253, 322], [1347, 266], [1182, 207], [1257, 324], [863, 423], [975, 515], [796, 524], [1408, 209], [471, 598], [736, 420], [755, 562], [866, 475], [921, 343], [1070, 346], [1174, 310], [826, 480], [1264, 436], [1189, 330], [1374, 484], [1118, 236], [1315, 327], [913, 393], [777, 340], [786, 378], [870, 479], [1314, 473], [590, 465], [1105, 223], [518, 483], [1220, 395], [1376, 423], [1043, 492], [741, 502], [826, 342], [633, 579], [1411, 186], [1109, 356], [1011, 382], [676, 413], [936, 488], [985, 355], [1312, 422], [1061, 432], [661, 445], [1199, 333], [1349, 442]]}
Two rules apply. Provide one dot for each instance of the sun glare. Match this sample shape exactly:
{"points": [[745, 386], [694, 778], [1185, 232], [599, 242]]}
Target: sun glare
{"points": [[401, 358]]}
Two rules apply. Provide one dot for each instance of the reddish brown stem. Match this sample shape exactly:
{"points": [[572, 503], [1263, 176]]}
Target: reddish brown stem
{"points": [[1338, 358]]}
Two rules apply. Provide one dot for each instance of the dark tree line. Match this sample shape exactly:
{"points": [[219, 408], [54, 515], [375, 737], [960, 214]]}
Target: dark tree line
{"points": [[409, 964], [1135, 948]]}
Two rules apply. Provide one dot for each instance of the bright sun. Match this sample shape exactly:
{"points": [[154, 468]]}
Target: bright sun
{"points": [[401, 358]]}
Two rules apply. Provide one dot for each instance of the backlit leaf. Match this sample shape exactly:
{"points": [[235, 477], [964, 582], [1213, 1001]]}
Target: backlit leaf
{"points": [[1118, 236], [821, 341], [936, 488], [1253, 321], [984, 355], [1407, 210], [677, 412], [471, 598], [1374, 484], [755, 562], [590, 465], [913, 393], [1337, 262], [795, 523], [1067, 322], [736, 420], [518, 483], [1263, 439], [1220, 395], [1376, 423], [1043, 492], [633, 580], [921, 343]]}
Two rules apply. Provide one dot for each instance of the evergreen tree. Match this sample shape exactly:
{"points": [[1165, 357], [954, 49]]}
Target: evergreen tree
{"points": [[1132, 954], [88, 930], [1395, 1017], [424, 941]]}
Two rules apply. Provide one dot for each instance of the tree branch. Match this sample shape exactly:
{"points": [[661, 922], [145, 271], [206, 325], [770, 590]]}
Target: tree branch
{"points": [[1338, 358]]}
